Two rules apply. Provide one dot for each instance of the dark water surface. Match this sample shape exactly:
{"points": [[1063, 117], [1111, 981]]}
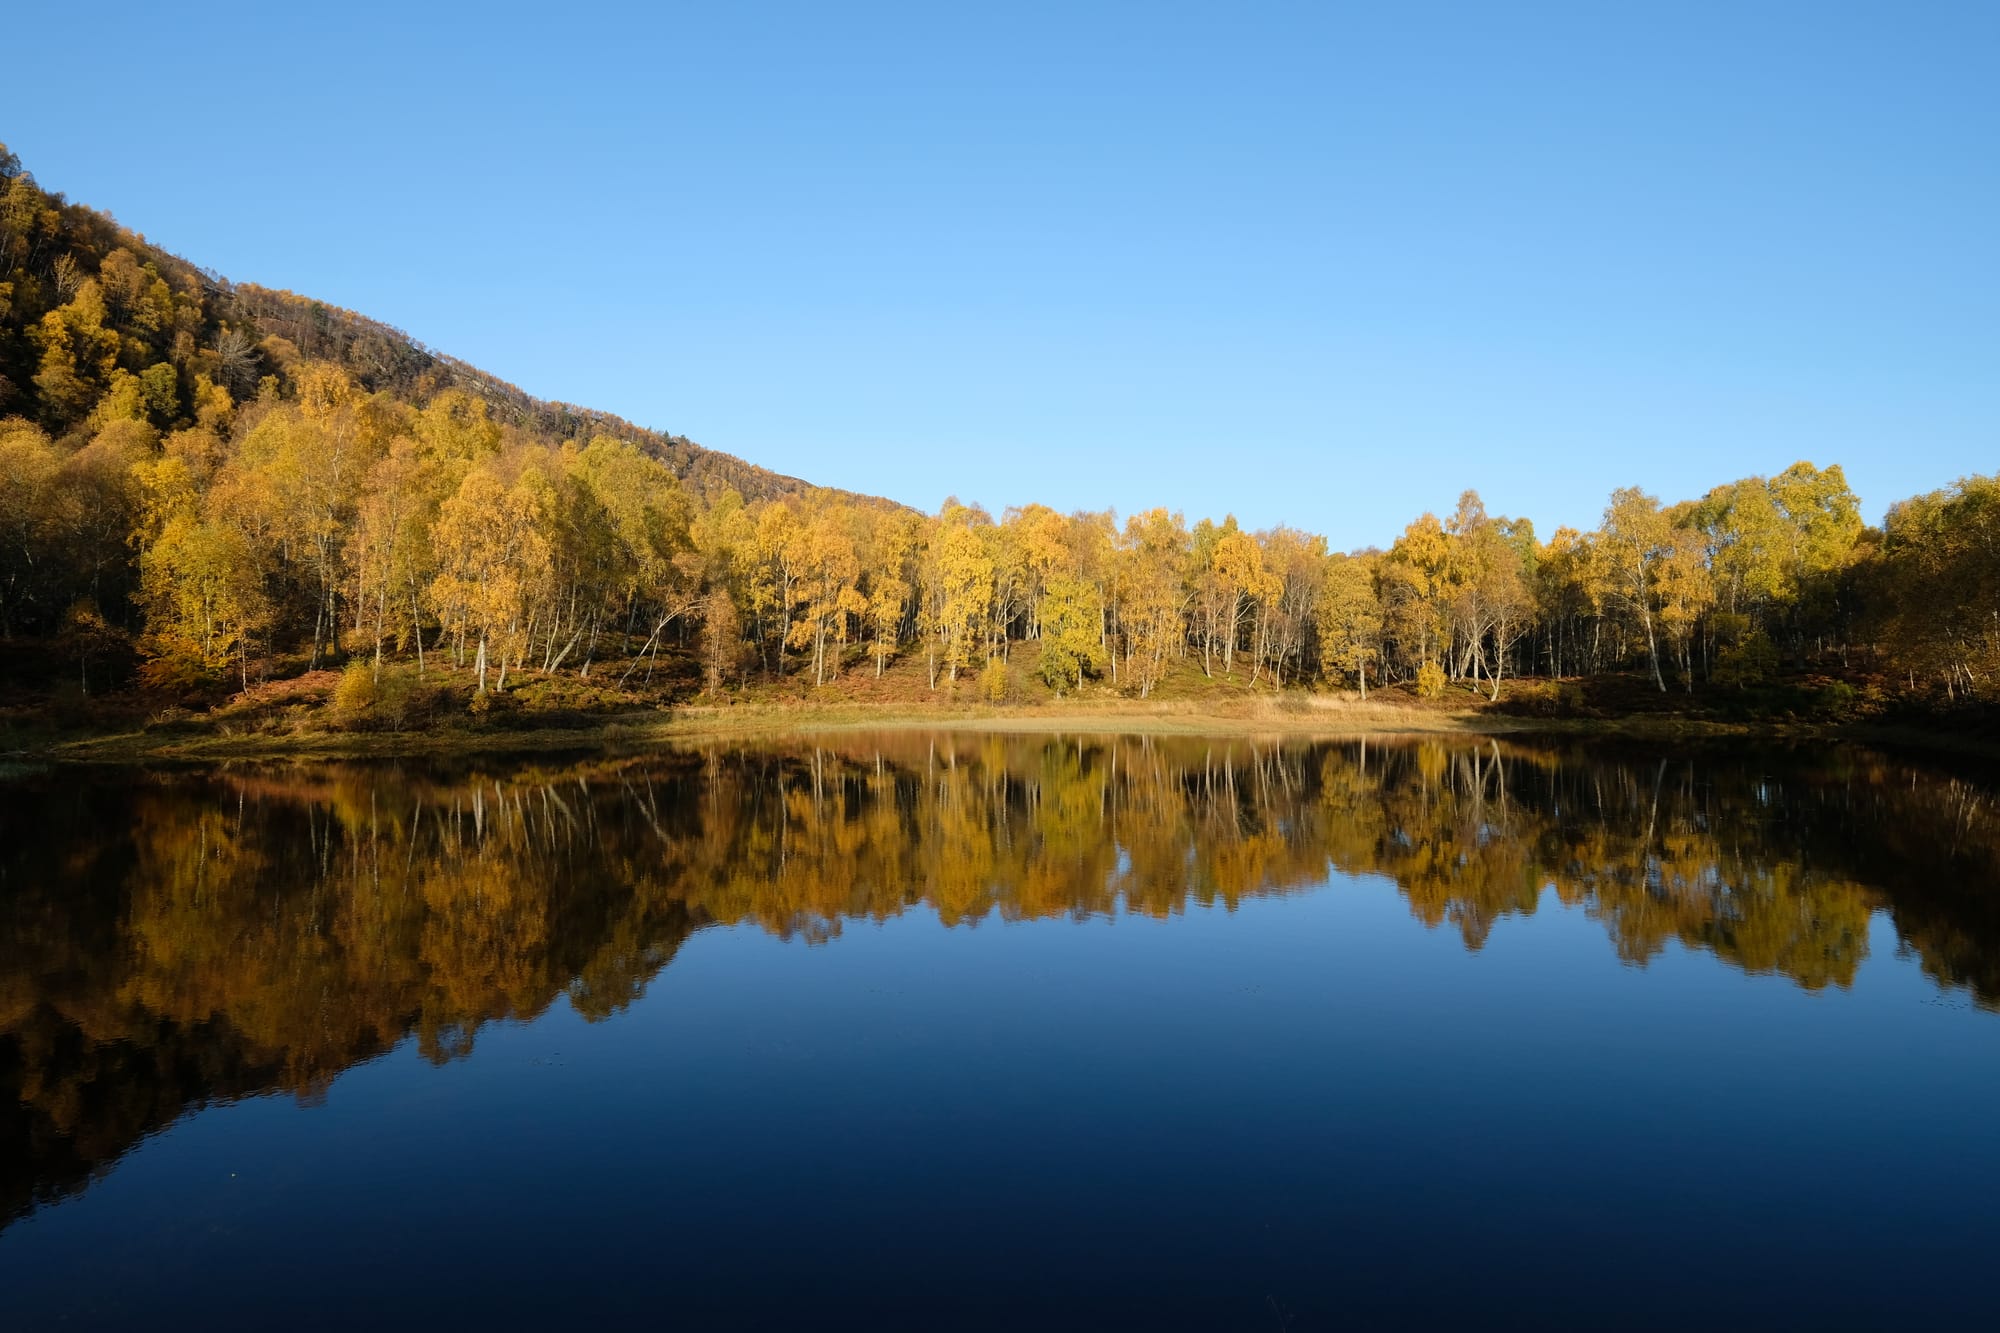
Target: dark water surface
{"points": [[1005, 1032]]}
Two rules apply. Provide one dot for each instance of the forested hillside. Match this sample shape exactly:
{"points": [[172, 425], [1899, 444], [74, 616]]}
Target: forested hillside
{"points": [[167, 312], [217, 482]]}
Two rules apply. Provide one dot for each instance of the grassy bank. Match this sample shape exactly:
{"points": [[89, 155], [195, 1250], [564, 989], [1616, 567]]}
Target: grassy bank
{"points": [[1307, 717]]}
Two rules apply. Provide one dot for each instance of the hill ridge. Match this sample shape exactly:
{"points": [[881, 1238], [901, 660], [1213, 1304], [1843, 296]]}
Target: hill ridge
{"points": [[382, 357]]}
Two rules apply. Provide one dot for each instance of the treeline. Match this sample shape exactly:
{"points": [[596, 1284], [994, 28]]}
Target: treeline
{"points": [[213, 475], [101, 330]]}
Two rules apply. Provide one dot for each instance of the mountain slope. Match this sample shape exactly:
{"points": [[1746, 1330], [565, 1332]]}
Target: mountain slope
{"points": [[165, 311]]}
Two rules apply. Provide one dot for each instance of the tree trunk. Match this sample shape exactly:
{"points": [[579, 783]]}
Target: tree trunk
{"points": [[1653, 648]]}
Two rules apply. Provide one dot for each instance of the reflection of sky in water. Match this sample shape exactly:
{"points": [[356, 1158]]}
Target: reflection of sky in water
{"points": [[1297, 1106]]}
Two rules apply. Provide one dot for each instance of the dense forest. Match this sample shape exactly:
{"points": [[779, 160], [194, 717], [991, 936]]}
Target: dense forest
{"points": [[217, 482]]}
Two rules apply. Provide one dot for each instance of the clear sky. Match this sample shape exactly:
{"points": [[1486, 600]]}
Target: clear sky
{"points": [[1325, 265]]}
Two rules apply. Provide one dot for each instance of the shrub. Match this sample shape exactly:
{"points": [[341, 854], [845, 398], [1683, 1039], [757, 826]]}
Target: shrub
{"points": [[1836, 700], [1749, 661], [993, 681], [176, 675], [1430, 681], [354, 697], [401, 700]]}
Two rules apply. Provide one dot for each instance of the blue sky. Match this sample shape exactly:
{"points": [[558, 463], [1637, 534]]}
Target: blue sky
{"points": [[1325, 265]]}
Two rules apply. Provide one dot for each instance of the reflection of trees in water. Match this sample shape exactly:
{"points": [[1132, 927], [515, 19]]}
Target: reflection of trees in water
{"points": [[177, 941]]}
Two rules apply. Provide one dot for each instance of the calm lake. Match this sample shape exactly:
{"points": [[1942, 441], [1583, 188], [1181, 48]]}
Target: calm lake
{"points": [[938, 1032]]}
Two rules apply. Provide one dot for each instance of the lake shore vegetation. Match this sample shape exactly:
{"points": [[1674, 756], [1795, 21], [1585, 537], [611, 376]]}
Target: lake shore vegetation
{"points": [[230, 515]]}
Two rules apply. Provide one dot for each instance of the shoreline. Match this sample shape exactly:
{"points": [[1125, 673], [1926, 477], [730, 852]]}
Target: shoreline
{"points": [[629, 732]]}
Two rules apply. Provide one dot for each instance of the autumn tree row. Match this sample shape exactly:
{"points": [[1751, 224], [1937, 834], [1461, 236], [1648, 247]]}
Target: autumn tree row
{"points": [[318, 517], [174, 476]]}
